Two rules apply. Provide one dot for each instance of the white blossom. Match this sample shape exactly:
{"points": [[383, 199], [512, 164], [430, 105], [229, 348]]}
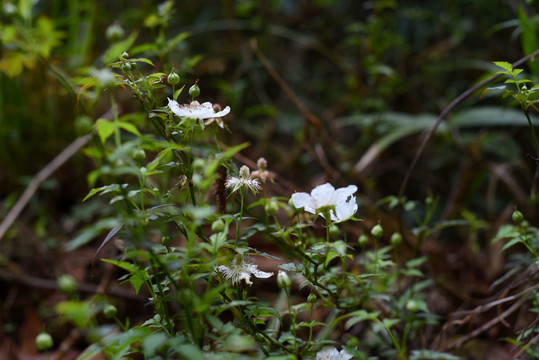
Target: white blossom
{"points": [[195, 110], [340, 203], [241, 270], [244, 180], [331, 353]]}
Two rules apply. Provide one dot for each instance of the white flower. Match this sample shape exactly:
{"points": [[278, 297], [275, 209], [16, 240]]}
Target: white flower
{"points": [[195, 110], [340, 203], [244, 180], [239, 270], [331, 353]]}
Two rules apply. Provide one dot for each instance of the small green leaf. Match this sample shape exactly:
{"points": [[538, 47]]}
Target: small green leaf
{"points": [[178, 92], [105, 129], [504, 65], [129, 127], [147, 61]]}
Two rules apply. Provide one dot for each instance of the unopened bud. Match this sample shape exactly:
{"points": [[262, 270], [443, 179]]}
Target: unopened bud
{"points": [[67, 283], [396, 239], [194, 90], [218, 226], [262, 164], [173, 78], [114, 33], [283, 281], [138, 154], [271, 207], [377, 231], [412, 305], [44, 341], [517, 216], [110, 311], [363, 240], [165, 240], [334, 230], [244, 172], [312, 298]]}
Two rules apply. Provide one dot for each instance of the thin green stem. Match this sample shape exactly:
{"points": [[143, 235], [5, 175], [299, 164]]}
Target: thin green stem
{"points": [[526, 113], [238, 220], [310, 327]]}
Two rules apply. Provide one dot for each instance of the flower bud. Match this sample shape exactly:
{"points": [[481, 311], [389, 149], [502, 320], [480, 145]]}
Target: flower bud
{"points": [[44, 341], [110, 311], [377, 231], [363, 240], [283, 281], [165, 240], [83, 124], [412, 305], [352, 342], [67, 283], [334, 231], [126, 67], [114, 33], [173, 78], [396, 239], [218, 226], [311, 299], [262, 164], [517, 216], [271, 207], [244, 172], [138, 154], [124, 56], [194, 90]]}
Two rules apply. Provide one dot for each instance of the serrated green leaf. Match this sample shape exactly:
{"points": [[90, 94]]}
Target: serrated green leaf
{"points": [[504, 65]]}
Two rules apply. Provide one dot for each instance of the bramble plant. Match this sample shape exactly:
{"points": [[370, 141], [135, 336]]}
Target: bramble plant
{"points": [[191, 222], [224, 254]]}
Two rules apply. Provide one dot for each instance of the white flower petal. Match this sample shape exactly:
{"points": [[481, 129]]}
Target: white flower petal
{"points": [[323, 195], [345, 210], [327, 353], [221, 113], [261, 274], [331, 353], [303, 200], [174, 107], [196, 110], [344, 193]]}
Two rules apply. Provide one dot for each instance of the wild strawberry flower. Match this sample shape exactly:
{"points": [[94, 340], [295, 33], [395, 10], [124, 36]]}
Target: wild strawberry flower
{"points": [[340, 203], [244, 180], [195, 110], [331, 353], [241, 270]]}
